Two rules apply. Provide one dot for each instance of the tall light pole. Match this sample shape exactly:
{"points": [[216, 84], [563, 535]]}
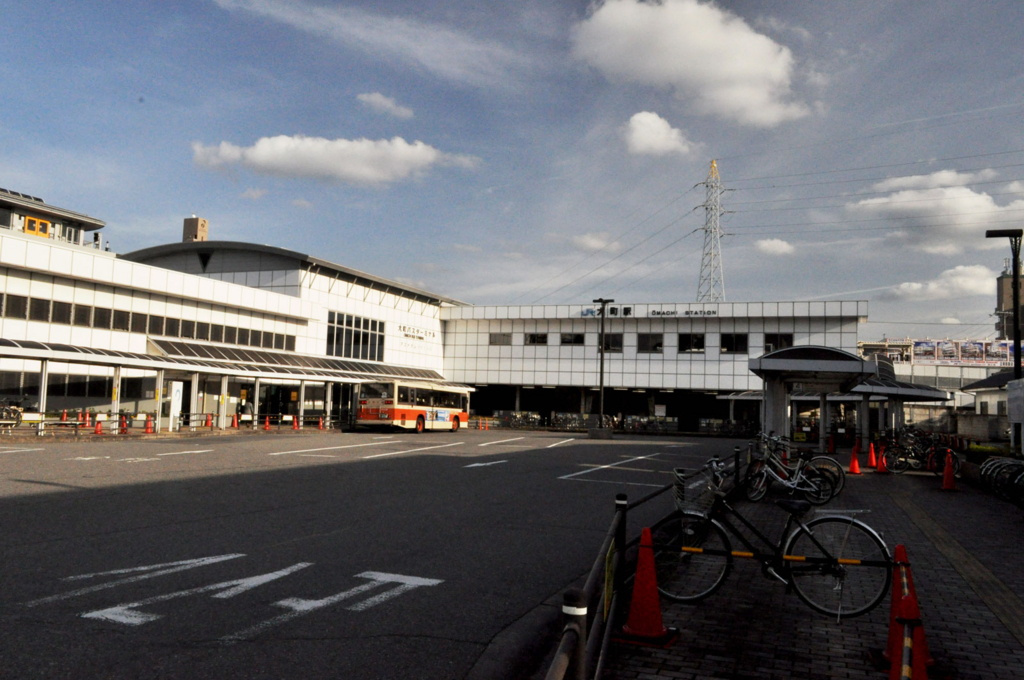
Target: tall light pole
{"points": [[1015, 236], [600, 347]]}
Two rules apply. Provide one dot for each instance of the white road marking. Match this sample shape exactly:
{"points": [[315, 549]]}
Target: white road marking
{"points": [[300, 607], [181, 453], [611, 481], [129, 616], [89, 458], [384, 437], [425, 448], [332, 448], [171, 567], [316, 455], [493, 462], [557, 443], [20, 450], [605, 467], [135, 460], [501, 441]]}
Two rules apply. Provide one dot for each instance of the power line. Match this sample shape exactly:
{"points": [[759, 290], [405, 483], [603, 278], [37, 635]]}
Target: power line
{"points": [[888, 191]]}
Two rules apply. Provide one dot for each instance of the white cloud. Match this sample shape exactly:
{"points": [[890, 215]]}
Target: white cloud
{"points": [[960, 281], [649, 133], [708, 56], [779, 26], [774, 246], [254, 194], [941, 178], [949, 320], [383, 104], [594, 242], [302, 203], [443, 51], [357, 161], [931, 216]]}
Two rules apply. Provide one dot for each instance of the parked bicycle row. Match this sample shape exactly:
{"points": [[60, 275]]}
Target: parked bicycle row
{"points": [[814, 477], [917, 450], [1005, 477]]}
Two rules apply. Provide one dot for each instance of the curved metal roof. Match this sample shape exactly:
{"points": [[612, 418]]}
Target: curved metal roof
{"points": [[343, 273]]}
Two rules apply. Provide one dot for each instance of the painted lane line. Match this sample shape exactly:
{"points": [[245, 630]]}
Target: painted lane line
{"points": [[20, 450], [502, 441], [493, 462], [564, 441], [89, 458], [128, 615], [425, 448], [610, 481], [181, 453], [136, 460], [316, 455], [632, 469], [333, 448], [172, 567], [605, 467], [300, 607], [385, 437]]}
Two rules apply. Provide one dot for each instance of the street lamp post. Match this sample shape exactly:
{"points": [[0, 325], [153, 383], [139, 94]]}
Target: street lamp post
{"points": [[600, 347], [1015, 237]]}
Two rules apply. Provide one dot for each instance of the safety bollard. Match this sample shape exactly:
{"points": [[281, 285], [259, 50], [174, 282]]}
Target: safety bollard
{"points": [[574, 609]]}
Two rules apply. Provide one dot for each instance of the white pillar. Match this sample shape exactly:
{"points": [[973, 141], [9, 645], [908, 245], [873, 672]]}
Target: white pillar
{"points": [[157, 419], [256, 404], [329, 403], [222, 411], [774, 407], [302, 402], [194, 403], [117, 399], [44, 380], [822, 423]]}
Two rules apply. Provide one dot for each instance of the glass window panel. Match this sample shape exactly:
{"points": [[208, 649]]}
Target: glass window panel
{"points": [[156, 325], [243, 336], [202, 330], [39, 310], [188, 328], [255, 338], [61, 312], [572, 338], [268, 340], [172, 327], [231, 335], [500, 339], [536, 338], [217, 333], [289, 343], [83, 315], [139, 323], [278, 341], [613, 342], [101, 317], [122, 320], [649, 343], [16, 307]]}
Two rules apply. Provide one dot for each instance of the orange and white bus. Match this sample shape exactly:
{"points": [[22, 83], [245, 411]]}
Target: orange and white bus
{"points": [[413, 405]]}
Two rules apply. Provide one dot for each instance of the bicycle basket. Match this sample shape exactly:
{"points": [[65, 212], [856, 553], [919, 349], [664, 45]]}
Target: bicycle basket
{"points": [[694, 490]]}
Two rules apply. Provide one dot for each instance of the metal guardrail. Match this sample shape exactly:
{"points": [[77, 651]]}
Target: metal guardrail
{"points": [[590, 613]]}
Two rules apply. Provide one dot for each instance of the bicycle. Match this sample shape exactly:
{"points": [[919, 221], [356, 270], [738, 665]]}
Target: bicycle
{"points": [[10, 415], [817, 478], [838, 566]]}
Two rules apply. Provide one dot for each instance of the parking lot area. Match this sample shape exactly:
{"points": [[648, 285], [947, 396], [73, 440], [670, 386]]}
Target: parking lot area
{"points": [[366, 555]]}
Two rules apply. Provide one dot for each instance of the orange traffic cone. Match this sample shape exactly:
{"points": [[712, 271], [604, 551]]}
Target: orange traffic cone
{"points": [[871, 456], [124, 425], [64, 416], [266, 423], [87, 420], [80, 419], [854, 463], [149, 424], [881, 468], [644, 625], [209, 420], [948, 477], [320, 426], [234, 421], [99, 427], [487, 424], [295, 422]]}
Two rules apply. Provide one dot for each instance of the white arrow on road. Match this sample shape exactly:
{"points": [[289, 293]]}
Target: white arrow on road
{"points": [[493, 462]]}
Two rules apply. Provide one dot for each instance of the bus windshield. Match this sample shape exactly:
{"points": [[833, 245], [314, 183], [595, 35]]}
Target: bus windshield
{"points": [[377, 390]]}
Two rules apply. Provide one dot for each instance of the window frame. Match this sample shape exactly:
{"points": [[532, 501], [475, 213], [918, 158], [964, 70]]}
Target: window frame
{"points": [[612, 348], [572, 337], [689, 347], [535, 339], [658, 347], [499, 339], [734, 342]]}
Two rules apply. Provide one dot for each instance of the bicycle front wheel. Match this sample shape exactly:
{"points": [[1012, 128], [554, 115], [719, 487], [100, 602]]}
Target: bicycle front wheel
{"points": [[839, 566], [831, 465], [756, 484], [689, 575]]}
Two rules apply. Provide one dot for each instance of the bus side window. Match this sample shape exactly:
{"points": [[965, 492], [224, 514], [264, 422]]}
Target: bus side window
{"points": [[422, 397], [463, 403], [403, 395]]}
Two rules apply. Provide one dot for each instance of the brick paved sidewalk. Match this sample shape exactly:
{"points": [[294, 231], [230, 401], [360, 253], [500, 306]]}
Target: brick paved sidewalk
{"points": [[964, 549]]}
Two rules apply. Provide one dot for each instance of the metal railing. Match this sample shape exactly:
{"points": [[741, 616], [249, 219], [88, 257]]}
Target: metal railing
{"points": [[590, 613]]}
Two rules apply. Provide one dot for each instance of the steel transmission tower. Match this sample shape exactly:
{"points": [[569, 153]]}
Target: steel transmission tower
{"points": [[711, 287]]}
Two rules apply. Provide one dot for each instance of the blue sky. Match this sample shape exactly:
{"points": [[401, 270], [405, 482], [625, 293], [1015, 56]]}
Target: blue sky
{"points": [[531, 151]]}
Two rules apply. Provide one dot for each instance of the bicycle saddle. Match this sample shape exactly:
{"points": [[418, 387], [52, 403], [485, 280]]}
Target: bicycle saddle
{"points": [[793, 507]]}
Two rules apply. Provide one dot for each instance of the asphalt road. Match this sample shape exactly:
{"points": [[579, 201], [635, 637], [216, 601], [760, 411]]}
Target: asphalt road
{"points": [[367, 555]]}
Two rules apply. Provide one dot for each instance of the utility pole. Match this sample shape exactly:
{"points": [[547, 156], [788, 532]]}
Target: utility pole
{"points": [[711, 286], [600, 347], [1015, 237]]}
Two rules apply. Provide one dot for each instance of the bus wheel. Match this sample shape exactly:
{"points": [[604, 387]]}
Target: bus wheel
{"points": [[455, 425], [420, 425]]}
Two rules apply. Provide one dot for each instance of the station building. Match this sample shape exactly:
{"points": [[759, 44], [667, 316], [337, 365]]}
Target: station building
{"points": [[290, 333]]}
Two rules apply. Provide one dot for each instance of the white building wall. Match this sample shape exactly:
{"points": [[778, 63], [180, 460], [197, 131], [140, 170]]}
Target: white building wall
{"points": [[471, 359]]}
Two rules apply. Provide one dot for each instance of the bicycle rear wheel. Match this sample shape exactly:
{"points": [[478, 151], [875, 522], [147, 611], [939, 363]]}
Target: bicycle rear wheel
{"points": [[818, 486], [832, 465], [756, 484], [840, 590], [686, 576]]}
